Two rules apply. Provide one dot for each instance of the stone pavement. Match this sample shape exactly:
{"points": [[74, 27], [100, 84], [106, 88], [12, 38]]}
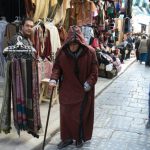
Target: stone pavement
{"points": [[27, 142], [121, 113]]}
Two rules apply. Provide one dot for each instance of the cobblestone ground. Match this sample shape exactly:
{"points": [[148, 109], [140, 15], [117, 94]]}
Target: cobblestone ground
{"points": [[121, 113]]}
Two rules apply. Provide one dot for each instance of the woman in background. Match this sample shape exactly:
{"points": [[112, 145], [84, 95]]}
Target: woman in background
{"points": [[143, 49]]}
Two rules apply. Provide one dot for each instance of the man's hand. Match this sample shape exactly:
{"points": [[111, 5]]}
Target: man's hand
{"points": [[87, 87]]}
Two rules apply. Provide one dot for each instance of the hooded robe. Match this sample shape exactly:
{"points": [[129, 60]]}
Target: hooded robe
{"points": [[72, 71]]}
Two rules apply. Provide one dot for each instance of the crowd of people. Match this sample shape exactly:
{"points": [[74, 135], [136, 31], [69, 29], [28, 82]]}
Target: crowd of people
{"points": [[139, 44], [142, 46]]}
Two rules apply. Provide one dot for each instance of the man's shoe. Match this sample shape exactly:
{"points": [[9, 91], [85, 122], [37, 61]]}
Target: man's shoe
{"points": [[79, 143], [65, 143]]}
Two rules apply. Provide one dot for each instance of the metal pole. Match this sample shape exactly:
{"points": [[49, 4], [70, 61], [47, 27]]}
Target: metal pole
{"points": [[50, 102]]}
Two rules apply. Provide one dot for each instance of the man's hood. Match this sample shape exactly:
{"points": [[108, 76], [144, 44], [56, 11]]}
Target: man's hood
{"points": [[75, 35]]}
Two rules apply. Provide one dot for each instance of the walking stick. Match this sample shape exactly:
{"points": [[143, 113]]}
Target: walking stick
{"points": [[81, 134], [50, 102], [148, 122]]}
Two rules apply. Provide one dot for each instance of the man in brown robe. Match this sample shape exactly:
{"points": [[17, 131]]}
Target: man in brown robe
{"points": [[76, 68]]}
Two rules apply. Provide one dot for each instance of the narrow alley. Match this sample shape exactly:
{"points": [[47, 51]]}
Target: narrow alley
{"points": [[121, 113]]}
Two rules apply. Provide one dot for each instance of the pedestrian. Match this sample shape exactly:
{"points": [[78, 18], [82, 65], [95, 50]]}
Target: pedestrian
{"points": [[76, 68], [25, 33], [148, 53], [129, 45], [137, 43], [143, 49]]}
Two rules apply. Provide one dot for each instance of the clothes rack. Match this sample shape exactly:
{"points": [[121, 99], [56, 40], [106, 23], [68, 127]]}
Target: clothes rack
{"points": [[12, 49], [22, 88], [19, 47]]}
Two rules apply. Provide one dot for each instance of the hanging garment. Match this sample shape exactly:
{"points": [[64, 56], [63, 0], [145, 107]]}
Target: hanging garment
{"points": [[5, 115], [61, 12], [62, 34], [127, 25], [88, 33], [83, 12], [129, 8], [42, 42], [3, 24], [41, 11], [30, 8], [110, 10], [53, 2], [20, 119], [23, 76], [10, 31], [36, 124], [68, 20], [22, 82], [55, 40], [100, 18]]}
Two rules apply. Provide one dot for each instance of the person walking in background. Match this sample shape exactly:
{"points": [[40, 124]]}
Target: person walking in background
{"points": [[148, 52], [76, 68], [129, 45], [143, 49], [137, 43]]}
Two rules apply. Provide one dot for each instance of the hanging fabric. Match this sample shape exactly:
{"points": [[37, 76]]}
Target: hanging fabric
{"points": [[61, 12], [55, 40], [22, 83], [30, 8], [41, 41], [83, 12], [42, 8], [3, 24]]}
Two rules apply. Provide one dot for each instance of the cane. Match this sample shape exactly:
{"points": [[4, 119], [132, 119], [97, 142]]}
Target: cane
{"points": [[149, 104], [50, 102], [148, 122]]}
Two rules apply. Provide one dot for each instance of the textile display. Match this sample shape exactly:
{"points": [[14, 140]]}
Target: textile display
{"points": [[22, 83], [42, 8]]}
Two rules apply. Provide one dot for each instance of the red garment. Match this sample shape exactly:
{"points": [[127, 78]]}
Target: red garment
{"points": [[42, 42], [95, 43], [62, 34], [30, 8], [71, 92]]}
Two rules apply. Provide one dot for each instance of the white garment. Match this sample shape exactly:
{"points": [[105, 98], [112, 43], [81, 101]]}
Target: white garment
{"points": [[3, 25], [54, 37], [109, 67], [88, 33]]}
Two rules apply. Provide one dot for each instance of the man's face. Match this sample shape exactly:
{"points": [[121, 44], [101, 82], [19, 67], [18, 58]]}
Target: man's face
{"points": [[74, 46], [27, 28]]}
